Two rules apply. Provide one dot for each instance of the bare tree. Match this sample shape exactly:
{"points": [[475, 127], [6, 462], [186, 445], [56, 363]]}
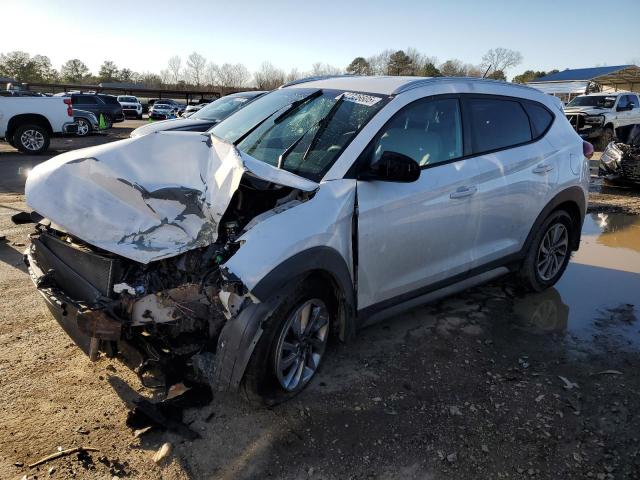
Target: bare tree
{"points": [[232, 75], [268, 77], [211, 74], [294, 74], [319, 68], [175, 63], [500, 59], [195, 66], [380, 62]]}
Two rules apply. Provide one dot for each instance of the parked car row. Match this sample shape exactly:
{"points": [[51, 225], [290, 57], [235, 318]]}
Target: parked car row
{"points": [[232, 259]]}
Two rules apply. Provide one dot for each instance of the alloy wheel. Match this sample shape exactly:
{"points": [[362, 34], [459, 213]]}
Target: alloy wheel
{"points": [[553, 251], [302, 344], [83, 127], [32, 140]]}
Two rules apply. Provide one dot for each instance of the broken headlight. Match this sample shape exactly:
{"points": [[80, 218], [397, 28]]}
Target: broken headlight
{"points": [[594, 119]]}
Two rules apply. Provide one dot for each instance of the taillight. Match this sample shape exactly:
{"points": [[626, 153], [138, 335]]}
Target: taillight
{"points": [[587, 149], [69, 108]]}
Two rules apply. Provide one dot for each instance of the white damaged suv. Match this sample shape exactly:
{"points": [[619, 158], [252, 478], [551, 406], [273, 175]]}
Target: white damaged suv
{"points": [[234, 257]]}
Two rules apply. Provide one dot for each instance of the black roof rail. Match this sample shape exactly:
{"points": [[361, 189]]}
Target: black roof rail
{"points": [[313, 79]]}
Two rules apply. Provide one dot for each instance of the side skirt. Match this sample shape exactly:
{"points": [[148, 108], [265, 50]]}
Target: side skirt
{"points": [[375, 313]]}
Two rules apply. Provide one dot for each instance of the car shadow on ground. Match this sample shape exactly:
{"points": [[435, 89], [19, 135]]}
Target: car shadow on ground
{"points": [[467, 386], [11, 256]]}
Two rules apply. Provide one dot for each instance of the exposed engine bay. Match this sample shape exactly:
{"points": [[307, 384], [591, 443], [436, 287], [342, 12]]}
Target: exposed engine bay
{"points": [[163, 318]]}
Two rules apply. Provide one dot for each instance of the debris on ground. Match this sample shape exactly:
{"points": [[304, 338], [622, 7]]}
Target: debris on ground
{"points": [[163, 452], [568, 384], [608, 372], [63, 453], [167, 414]]}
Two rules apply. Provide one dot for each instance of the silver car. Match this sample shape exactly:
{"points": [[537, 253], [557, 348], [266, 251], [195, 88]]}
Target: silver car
{"points": [[234, 257]]}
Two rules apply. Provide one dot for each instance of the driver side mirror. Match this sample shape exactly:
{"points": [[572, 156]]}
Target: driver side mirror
{"points": [[393, 167]]}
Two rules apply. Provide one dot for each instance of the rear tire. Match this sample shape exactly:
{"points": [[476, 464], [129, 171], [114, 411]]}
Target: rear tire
{"points": [[84, 127], [32, 139], [549, 252], [283, 362]]}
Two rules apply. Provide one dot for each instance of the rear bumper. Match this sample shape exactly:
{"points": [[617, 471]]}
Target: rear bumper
{"points": [[70, 127], [118, 117]]}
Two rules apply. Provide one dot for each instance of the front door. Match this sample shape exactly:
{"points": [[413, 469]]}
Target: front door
{"points": [[412, 235]]}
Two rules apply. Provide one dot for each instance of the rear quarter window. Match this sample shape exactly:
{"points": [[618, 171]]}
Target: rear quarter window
{"points": [[496, 124], [540, 118]]}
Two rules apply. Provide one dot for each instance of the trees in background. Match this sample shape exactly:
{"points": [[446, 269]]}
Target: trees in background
{"points": [[500, 59], [531, 75], [108, 72], [74, 71], [196, 64], [25, 68], [359, 66], [412, 62], [268, 77], [197, 71]]}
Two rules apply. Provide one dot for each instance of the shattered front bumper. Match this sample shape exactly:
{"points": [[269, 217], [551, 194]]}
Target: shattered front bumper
{"points": [[85, 326]]}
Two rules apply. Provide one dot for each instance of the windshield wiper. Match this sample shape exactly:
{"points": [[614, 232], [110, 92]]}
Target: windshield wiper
{"points": [[293, 105], [287, 108], [320, 124]]}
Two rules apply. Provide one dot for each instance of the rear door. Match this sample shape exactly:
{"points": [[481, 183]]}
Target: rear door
{"points": [[517, 172], [413, 235]]}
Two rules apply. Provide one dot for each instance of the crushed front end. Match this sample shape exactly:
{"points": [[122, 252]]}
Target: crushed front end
{"points": [[620, 161], [154, 317]]}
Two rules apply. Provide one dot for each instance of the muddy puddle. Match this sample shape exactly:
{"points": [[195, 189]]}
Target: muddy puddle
{"points": [[596, 304]]}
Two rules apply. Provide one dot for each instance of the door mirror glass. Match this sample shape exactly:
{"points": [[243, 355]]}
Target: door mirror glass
{"points": [[393, 167]]}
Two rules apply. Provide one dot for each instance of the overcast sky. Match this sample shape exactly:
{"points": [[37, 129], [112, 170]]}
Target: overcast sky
{"points": [[142, 35]]}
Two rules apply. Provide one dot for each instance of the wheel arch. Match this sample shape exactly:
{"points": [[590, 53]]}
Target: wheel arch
{"points": [[574, 202], [324, 263], [27, 119]]}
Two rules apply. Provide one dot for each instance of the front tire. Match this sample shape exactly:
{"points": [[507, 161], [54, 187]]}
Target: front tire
{"points": [[31, 139], [291, 347], [549, 252]]}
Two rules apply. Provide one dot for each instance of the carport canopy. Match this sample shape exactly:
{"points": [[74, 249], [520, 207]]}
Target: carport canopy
{"points": [[576, 81]]}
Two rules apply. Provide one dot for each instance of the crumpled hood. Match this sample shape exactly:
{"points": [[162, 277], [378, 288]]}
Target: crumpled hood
{"points": [[587, 110], [150, 197]]}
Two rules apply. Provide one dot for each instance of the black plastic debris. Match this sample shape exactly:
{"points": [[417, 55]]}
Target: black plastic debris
{"points": [[167, 414]]}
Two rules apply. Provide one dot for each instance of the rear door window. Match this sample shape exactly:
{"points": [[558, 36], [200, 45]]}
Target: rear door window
{"points": [[84, 100], [496, 124]]}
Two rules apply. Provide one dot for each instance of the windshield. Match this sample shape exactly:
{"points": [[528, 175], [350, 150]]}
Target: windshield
{"points": [[311, 133], [220, 109], [601, 101], [128, 99]]}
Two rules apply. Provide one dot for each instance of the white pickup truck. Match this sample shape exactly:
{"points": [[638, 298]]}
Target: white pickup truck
{"points": [[597, 116], [28, 123]]}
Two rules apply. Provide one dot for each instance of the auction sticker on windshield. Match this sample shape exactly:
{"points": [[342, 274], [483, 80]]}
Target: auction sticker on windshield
{"points": [[360, 98]]}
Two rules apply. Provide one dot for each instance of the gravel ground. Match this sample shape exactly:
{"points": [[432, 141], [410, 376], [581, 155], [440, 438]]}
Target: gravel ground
{"points": [[491, 383]]}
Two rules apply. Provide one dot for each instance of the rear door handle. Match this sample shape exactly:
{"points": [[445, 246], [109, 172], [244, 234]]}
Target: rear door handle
{"points": [[465, 191], [542, 169]]}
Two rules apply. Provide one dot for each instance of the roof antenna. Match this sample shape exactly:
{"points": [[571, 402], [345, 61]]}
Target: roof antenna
{"points": [[486, 71]]}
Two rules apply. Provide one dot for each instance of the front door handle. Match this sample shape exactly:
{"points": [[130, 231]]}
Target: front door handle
{"points": [[542, 169], [465, 191]]}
